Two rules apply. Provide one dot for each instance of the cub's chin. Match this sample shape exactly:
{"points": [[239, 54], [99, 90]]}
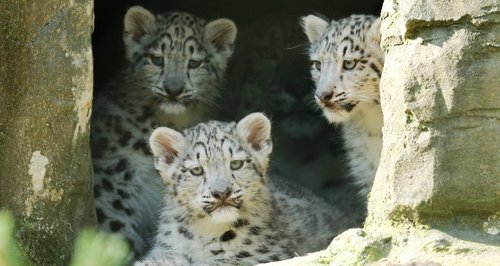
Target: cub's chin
{"points": [[227, 214], [336, 115], [173, 108]]}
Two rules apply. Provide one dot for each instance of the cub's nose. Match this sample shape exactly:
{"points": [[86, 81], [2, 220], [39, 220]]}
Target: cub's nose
{"points": [[222, 195], [324, 96], [174, 91], [174, 85]]}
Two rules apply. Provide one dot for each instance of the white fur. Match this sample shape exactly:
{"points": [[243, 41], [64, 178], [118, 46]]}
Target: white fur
{"points": [[359, 86], [275, 219]]}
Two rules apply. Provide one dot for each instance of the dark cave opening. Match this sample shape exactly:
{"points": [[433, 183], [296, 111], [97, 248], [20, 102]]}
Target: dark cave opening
{"points": [[268, 72]]}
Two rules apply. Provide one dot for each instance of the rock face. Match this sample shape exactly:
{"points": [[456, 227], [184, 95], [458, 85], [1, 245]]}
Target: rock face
{"points": [[441, 102], [436, 196], [45, 104], [439, 177]]}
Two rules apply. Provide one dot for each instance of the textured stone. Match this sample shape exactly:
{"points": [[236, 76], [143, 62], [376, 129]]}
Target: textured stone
{"points": [[441, 104], [45, 104]]}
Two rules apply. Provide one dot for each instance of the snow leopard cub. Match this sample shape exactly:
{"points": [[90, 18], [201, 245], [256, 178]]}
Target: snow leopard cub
{"points": [[176, 64], [220, 207], [346, 66]]}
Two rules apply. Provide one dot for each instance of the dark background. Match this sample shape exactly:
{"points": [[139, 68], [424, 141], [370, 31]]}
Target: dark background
{"points": [[107, 38]]}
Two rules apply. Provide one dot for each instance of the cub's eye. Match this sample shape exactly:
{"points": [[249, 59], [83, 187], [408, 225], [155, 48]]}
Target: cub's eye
{"points": [[236, 164], [349, 64], [194, 64], [156, 60], [316, 64], [198, 170]]}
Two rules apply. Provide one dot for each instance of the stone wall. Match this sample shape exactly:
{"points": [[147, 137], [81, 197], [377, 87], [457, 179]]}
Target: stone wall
{"points": [[45, 104], [438, 183], [441, 102]]}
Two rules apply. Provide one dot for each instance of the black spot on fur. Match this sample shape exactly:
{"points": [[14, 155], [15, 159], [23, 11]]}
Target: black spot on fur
{"points": [[287, 251], [127, 176], [121, 165], [165, 246], [217, 252], [255, 230], [227, 236], [129, 212], [247, 241], [117, 204], [179, 218], [109, 171], [274, 258], [125, 138], [375, 68], [130, 243], [243, 254], [107, 185], [189, 259], [174, 191], [100, 215], [349, 106], [271, 239], [115, 226], [262, 249], [123, 194], [143, 146], [240, 222], [183, 231]]}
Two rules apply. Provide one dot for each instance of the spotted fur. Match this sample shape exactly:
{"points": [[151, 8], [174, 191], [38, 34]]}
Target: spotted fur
{"points": [[222, 208], [347, 62], [175, 71]]}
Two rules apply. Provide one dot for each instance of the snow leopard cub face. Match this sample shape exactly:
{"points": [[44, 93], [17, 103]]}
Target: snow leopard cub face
{"points": [[215, 169], [178, 57], [346, 63]]}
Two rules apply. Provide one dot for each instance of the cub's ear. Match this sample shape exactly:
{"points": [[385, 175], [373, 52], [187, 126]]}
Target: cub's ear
{"points": [[314, 27], [373, 34], [137, 23], [221, 33], [165, 144], [255, 129]]}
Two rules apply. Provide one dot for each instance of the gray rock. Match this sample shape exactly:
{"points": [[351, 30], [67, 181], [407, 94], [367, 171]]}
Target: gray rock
{"points": [[45, 104]]}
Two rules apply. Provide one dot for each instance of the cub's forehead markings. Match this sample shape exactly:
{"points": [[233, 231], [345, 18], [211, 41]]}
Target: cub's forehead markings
{"points": [[197, 146]]}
